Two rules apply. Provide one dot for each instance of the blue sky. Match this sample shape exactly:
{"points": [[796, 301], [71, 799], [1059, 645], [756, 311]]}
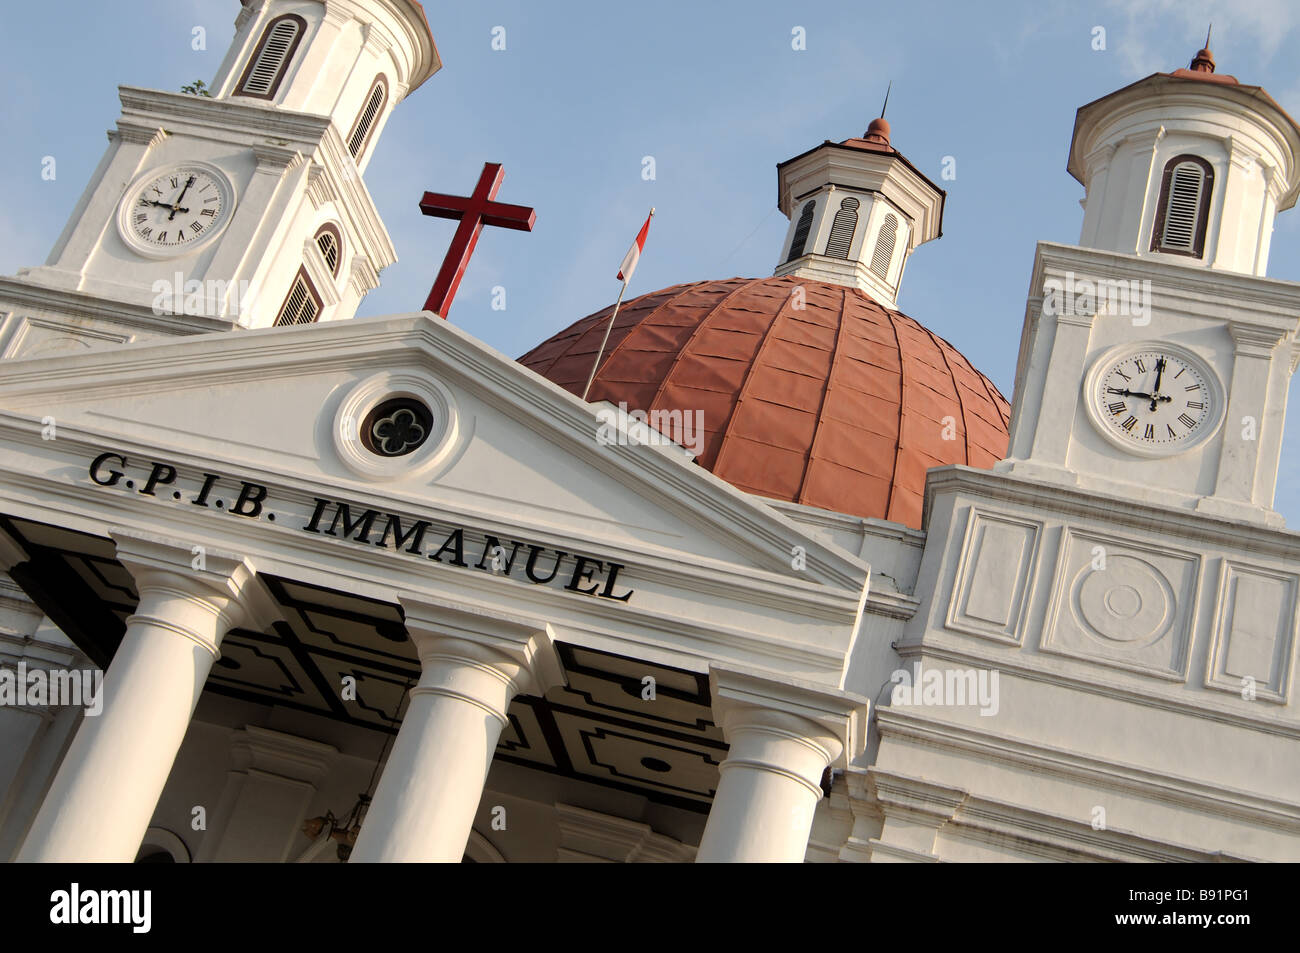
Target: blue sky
{"points": [[716, 94]]}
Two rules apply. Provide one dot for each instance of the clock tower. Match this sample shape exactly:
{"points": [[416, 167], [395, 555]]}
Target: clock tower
{"points": [[1156, 354], [1122, 573], [242, 209]]}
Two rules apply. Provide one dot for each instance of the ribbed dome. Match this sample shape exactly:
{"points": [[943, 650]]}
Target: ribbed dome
{"points": [[838, 405]]}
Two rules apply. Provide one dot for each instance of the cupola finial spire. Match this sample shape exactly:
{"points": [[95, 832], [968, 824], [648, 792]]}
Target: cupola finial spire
{"points": [[878, 129], [1203, 61]]}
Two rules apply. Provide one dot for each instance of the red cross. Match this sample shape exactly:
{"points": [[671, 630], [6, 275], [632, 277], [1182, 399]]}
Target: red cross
{"points": [[474, 212]]}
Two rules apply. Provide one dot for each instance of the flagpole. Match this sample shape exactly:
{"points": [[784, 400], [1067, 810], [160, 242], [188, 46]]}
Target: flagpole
{"points": [[604, 341], [629, 266]]}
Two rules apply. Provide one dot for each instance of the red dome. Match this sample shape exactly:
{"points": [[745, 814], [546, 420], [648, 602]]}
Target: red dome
{"points": [[839, 405]]}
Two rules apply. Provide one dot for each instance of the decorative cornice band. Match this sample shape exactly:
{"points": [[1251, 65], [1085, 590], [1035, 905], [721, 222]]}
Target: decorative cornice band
{"points": [[144, 134]]}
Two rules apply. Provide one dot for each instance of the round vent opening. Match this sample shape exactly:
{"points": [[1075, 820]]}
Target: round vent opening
{"points": [[396, 427]]}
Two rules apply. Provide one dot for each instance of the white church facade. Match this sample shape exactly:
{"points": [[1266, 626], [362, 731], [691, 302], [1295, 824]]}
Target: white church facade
{"points": [[370, 590]]}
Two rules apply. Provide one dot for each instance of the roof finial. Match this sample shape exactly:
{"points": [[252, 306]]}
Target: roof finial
{"points": [[1203, 62], [878, 130]]}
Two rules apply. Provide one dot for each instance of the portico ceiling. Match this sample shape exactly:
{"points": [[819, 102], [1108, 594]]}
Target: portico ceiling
{"points": [[598, 727]]}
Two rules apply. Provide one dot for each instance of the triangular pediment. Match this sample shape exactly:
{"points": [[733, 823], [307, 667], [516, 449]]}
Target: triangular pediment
{"points": [[510, 456]]}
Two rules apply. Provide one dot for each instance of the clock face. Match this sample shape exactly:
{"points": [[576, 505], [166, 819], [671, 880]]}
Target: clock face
{"points": [[170, 212], [1155, 399]]}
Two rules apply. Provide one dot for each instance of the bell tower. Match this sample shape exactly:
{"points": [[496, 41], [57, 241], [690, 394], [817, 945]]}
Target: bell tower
{"points": [[1156, 355], [1189, 166], [242, 209]]}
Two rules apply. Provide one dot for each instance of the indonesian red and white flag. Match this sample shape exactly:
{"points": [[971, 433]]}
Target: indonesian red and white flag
{"points": [[634, 253]]}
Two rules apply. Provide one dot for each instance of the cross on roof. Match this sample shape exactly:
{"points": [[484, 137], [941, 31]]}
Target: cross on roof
{"points": [[473, 212]]}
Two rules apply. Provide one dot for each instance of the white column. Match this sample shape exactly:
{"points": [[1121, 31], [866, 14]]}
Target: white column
{"points": [[471, 667], [108, 786], [782, 738]]}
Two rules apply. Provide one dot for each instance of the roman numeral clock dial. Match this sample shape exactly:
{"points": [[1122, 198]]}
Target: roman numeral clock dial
{"points": [[172, 211], [1154, 400]]}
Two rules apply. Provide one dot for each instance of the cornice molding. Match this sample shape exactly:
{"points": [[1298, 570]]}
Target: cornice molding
{"points": [[78, 304], [963, 816], [1213, 294], [913, 726], [1065, 500], [138, 133], [223, 117]]}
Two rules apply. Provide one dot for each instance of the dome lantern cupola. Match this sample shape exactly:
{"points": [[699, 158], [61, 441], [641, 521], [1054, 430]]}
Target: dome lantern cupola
{"points": [[1190, 166], [857, 209]]}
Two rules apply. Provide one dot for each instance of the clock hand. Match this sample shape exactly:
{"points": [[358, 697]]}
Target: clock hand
{"points": [[1160, 370], [176, 206], [1137, 393]]}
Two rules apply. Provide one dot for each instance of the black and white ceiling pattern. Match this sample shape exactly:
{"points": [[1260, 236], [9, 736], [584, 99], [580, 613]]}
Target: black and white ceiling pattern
{"points": [[599, 728]]}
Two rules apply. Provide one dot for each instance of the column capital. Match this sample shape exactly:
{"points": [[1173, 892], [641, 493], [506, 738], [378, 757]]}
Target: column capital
{"points": [[1255, 340], [830, 717], [518, 647], [209, 581]]}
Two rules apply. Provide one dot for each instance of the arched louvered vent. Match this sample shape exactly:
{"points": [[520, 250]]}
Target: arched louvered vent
{"points": [[1184, 207], [882, 256], [327, 240], [1184, 201], [369, 114], [846, 222], [302, 305], [270, 60], [801, 230]]}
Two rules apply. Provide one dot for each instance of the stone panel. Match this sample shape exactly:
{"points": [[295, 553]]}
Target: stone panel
{"points": [[1254, 632], [1123, 602], [994, 576]]}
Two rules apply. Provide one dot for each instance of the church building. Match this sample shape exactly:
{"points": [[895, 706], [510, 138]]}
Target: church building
{"points": [[787, 580]]}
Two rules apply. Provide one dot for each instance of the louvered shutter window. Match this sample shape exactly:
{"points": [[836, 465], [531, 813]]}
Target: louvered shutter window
{"points": [[301, 306], [1183, 208], [366, 121], [329, 249], [846, 222], [271, 60], [883, 254], [801, 231]]}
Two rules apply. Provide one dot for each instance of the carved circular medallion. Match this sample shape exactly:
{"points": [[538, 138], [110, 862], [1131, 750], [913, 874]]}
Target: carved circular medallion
{"points": [[1129, 601]]}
